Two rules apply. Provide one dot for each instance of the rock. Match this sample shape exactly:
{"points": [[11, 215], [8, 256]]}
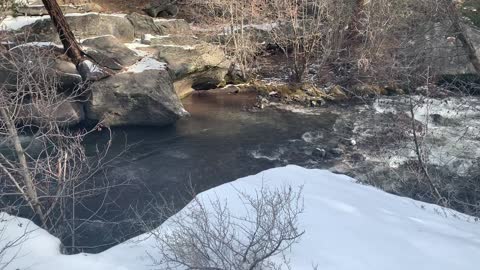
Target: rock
{"points": [[319, 153], [108, 51], [65, 71], [67, 74], [147, 25], [83, 26], [368, 89], [143, 25], [336, 152], [196, 65], [162, 8], [66, 113], [174, 26], [357, 157], [349, 142], [33, 146], [337, 93], [142, 95], [443, 121], [187, 59], [205, 80], [90, 71]]}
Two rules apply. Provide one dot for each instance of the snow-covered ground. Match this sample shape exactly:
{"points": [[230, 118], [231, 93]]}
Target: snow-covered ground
{"points": [[13, 23], [347, 226]]}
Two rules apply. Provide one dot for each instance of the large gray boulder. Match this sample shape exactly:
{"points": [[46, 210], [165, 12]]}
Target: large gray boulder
{"points": [[142, 95], [197, 65], [143, 25], [192, 57], [108, 51], [174, 26], [83, 26]]}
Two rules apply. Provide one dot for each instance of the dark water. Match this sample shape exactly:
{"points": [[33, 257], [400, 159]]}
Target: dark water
{"points": [[225, 138]]}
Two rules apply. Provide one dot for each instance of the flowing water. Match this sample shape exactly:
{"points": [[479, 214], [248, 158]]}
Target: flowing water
{"points": [[225, 138]]}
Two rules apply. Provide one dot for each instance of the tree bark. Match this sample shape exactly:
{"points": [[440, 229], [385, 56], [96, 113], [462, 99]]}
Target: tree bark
{"points": [[70, 45], [86, 68], [30, 191]]}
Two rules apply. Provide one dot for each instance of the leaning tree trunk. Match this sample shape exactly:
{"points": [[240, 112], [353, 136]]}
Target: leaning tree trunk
{"points": [[85, 67]]}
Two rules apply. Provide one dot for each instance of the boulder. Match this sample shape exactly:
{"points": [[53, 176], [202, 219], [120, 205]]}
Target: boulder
{"points": [[108, 51], [34, 146], [147, 25], [174, 26], [142, 95], [83, 26], [162, 8], [205, 80], [65, 71], [67, 74], [66, 113], [143, 25], [196, 65], [188, 59]]}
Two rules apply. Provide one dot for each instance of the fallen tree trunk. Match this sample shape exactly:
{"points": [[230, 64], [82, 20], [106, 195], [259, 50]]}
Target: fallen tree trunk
{"points": [[86, 68]]}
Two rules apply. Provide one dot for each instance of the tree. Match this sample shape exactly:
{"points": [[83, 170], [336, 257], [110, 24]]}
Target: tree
{"points": [[44, 169], [86, 68], [208, 235]]}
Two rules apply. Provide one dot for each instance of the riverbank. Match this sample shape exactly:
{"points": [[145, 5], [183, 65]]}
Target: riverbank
{"points": [[346, 225]]}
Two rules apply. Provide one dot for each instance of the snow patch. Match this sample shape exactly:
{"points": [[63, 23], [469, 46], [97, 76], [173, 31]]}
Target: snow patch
{"points": [[136, 47], [185, 47], [38, 44], [147, 63], [11, 23]]}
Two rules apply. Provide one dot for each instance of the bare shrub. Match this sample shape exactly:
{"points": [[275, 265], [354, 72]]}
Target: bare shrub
{"points": [[308, 32], [238, 38], [208, 234], [43, 164]]}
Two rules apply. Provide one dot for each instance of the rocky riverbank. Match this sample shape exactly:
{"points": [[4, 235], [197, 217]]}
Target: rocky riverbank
{"points": [[154, 63]]}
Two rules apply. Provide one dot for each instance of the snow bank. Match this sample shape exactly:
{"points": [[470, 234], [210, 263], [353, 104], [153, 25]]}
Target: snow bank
{"points": [[12, 23], [38, 44], [347, 227], [147, 63], [137, 47]]}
